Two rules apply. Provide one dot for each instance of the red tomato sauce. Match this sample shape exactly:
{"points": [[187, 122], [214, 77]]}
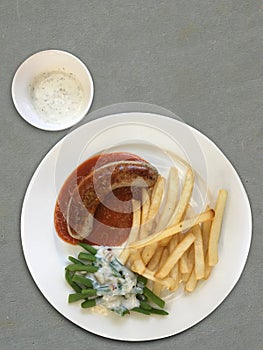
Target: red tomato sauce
{"points": [[113, 219]]}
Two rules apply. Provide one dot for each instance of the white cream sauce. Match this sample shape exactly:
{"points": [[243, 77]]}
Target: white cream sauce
{"points": [[117, 289], [57, 96]]}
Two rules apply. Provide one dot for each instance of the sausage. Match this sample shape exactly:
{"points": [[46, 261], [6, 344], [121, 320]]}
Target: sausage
{"points": [[92, 190]]}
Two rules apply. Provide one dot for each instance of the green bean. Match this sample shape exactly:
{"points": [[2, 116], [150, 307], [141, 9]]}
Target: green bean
{"points": [[72, 283], [158, 311], [88, 303], [103, 290], [145, 305], [77, 267], [141, 297], [85, 256], [89, 291], [153, 297], [141, 279], [125, 312], [114, 270], [88, 247], [75, 261], [82, 280], [77, 296], [141, 311], [121, 310]]}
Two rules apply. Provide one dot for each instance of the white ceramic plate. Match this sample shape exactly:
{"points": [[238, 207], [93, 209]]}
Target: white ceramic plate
{"points": [[152, 137]]}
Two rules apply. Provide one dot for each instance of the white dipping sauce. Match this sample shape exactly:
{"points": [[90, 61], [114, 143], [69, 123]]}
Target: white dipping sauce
{"points": [[57, 96]]}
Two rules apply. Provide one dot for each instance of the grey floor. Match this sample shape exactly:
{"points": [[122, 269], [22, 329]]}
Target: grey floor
{"points": [[202, 60]]}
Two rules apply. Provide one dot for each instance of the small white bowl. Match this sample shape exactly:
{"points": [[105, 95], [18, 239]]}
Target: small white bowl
{"points": [[52, 90]]}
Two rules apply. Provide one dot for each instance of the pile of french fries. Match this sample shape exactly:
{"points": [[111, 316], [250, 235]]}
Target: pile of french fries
{"points": [[166, 244]]}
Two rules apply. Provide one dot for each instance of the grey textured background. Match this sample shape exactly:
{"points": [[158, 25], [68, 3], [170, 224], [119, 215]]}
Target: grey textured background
{"points": [[203, 60]]}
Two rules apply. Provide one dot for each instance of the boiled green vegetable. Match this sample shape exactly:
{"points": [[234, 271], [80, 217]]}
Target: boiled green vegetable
{"points": [[81, 276]]}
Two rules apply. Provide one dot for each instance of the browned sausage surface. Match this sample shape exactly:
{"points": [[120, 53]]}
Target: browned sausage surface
{"points": [[94, 188]]}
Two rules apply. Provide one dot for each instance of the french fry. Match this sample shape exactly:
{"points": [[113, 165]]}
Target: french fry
{"points": [[138, 264], [157, 288], [130, 260], [136, 221], [183, 262], [181, 226], [175, 256], [206, 227], [191, 257], [174, 273], [185, 276], [208, 268], [164, 256], [216, 228], [199, 253], [168, 282], [156, 199], [153, 263], [184, 198], [144, 212], [173, 243], [183, 202], [192, 282], [148, 252], [190, 262], [124, 256], [171, 200]]}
